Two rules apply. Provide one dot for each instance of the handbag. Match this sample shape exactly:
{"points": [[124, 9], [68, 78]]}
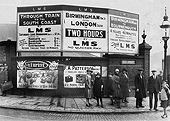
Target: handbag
{"points": [[6, 86]]}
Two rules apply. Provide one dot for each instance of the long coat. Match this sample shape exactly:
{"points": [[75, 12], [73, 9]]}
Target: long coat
{"points": [[88, 86], [124, 84], [97, 87], [140, 83], [116, 87], [153, 84]]}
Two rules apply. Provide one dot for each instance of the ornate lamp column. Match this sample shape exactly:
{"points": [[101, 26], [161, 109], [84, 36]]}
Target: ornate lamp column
{"points": [[165, 25]]}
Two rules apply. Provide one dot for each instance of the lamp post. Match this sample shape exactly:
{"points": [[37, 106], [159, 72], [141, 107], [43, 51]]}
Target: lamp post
{"points": [[165, 25]]}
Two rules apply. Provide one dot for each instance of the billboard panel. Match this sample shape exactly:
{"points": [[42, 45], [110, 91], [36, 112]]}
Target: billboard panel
{"points": [[39, 31], [74, 76], [123, 32], [84, 31], [37, 74]]}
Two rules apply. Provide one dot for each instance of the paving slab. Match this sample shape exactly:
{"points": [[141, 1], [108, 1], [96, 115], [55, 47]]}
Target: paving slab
{"points": [[70, 105]]}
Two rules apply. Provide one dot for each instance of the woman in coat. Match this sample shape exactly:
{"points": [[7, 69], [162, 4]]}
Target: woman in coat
{"points": [[117, 95], [124, 84], [98, 89], [88, 88]]}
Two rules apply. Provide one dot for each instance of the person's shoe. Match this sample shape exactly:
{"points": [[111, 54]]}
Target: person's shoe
{"points": [[97, 105], [142, 106], [156, 109], [150, 109], [137, 106], [102, 106], [90, 104], [164, 116], [87, 105]]}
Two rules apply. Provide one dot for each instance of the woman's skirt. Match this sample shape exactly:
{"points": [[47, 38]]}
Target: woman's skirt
{"points": [[88, 93], [164, 103]]}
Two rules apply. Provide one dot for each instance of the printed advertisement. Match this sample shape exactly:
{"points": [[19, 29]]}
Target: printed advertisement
{"points": [[74, 76], [39, 31], [37, 74], [123, 32], [84, 31]]}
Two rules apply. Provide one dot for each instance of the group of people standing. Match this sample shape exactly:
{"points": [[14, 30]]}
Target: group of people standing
{"points": [[94, 86], [118, 85], [156, 87]]}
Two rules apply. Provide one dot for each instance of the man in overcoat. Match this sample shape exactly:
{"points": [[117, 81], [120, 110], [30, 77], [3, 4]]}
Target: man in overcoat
{"points": [[124, 84], [153, 88], [140, 88]]}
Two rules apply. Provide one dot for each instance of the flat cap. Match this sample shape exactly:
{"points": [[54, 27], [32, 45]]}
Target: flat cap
{"points": [[153, 71], [140, 69], [124, 69]]}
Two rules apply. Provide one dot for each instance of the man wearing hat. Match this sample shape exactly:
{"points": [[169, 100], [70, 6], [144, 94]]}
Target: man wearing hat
{"points": [[153, 88], [140, 86]]}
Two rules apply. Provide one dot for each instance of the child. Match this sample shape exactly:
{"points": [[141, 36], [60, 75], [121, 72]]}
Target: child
{"points": [[164, 98]]}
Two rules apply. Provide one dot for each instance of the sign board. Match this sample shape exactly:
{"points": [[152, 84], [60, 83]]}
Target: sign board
{"points": [[39, 31], [37, 74], [85, 31], [128, 62], [123, 32], [74, 76]]}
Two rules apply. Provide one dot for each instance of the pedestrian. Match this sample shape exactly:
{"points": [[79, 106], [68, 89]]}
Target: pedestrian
{"points": [[124, 84], [88, 88], [140, 88], [4, 77], [165, 98], [160, 76], [98, 89], [117, 89], [111, 87], [168, 77], [4, 92], [153, 88]]}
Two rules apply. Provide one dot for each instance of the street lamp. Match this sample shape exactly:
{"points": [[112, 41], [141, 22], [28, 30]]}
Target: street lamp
{"points": [[165, 25]]}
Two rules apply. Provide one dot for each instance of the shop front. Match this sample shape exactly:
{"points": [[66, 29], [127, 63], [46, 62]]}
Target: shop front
{"points": [[65, 76]]}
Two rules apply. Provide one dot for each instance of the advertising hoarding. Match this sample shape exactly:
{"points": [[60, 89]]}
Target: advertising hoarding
{"points": [[84, 31], [123, 32], [39, 31], [74, 76], [37, 74]]}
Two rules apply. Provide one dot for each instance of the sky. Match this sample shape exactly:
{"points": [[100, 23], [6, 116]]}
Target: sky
{"points": [[150, 12]]}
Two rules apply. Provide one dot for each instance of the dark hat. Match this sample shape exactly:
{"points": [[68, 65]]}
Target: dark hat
{"points": [[124, 69], [153, 71], [140, 69]]}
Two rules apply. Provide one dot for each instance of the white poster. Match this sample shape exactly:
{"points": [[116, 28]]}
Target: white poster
{"points": [[37, 74], [84, 31], [123, 32], [74, 76], [39, 31]]}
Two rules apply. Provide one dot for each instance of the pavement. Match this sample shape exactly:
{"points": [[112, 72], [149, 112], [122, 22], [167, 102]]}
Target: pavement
{"points": [[70, 105]]}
